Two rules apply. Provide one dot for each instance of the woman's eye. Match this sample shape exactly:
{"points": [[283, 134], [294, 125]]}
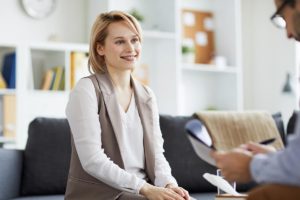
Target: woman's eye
{"points": [[119, 42], [134, 40]]}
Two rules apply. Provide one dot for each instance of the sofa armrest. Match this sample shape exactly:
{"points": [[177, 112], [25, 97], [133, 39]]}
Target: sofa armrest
{"points": [[11, 162]]}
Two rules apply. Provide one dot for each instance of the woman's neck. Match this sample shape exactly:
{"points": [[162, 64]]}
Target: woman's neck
{"points": [[120, 79]]}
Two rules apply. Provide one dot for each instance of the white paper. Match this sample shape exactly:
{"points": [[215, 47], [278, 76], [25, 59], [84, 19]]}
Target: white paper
{"points": [[201, 38], [189, 19], [202, 151], [209, 24], [221, 183]]}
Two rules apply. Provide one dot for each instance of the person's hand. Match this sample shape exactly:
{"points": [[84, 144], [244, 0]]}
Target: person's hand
{"points": [[179, 190], [234, 165], [256, 148], [159, 193]]}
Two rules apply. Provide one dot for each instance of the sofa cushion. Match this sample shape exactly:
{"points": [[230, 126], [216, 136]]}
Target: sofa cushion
{"points": [[46, 157], [280, 126], [186, 167], [292, 122], [10, 172], [46, 197]]}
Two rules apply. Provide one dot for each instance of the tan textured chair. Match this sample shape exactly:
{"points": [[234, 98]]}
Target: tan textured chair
{"points": [[229, 129]]}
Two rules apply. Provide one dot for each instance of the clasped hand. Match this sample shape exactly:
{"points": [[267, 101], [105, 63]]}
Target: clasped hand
{"points": [[170, 192]]}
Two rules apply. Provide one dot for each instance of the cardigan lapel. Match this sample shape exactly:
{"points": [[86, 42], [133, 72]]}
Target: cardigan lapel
{"points": [[111, 104], [144, 105]]}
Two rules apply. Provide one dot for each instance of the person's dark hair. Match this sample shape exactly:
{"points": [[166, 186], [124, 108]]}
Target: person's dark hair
{"points": [[289, 2]]}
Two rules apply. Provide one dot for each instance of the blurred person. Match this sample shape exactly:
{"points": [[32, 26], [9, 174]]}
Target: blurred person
{"points": [[261, 163]]}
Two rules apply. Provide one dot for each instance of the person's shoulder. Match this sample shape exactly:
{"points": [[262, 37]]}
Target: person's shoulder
{"points": [[83, 84], [147, 90]]}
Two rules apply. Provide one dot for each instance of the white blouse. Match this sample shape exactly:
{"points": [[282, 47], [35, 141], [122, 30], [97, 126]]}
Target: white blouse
{"points": [[83, 118], [132, 140]]}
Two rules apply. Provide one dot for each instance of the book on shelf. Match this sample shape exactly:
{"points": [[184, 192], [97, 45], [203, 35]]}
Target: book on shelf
{"points": [[54, 79], [9, 70], [231, 197], [62, 82], [2, 82], [9, 116], [1, 118], [47, 80], [58, 71], [79, 66]]}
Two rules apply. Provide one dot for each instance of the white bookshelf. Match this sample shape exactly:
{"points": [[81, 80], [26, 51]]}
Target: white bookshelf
{"points": [[180, 88], [31, 102], [208, 68], [208, 86], [7, 91], [7, 48], [159, 35]]}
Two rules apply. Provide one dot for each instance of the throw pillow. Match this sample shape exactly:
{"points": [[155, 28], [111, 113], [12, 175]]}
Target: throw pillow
{"points": [[46, 157]]}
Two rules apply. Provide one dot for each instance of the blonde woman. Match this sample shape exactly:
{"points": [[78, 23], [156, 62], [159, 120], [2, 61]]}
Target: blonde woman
{"points": [[117, 146]]}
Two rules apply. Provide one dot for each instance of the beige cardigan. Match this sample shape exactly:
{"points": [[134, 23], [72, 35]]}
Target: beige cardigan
{"points": [[80, 184]]}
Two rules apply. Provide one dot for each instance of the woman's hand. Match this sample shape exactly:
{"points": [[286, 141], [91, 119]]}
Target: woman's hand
{"points": [[159, 193], [179, 190]]}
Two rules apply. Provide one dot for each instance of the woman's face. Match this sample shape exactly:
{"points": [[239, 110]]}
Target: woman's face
{"points": [[121, 48]]}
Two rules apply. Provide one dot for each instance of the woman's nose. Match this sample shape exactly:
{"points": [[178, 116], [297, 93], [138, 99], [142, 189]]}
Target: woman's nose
{"points": [[129, 47]]}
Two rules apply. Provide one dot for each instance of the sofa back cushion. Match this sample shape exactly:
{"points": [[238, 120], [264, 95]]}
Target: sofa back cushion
{"points": [[187, 167], [46, 157]]}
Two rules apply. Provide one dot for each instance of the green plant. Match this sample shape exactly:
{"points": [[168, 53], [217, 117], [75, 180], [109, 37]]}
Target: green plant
{"points": [[187, 49], [135, 13]]}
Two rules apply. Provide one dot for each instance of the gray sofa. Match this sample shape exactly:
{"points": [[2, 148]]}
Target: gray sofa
{"points": [[40, 171]]}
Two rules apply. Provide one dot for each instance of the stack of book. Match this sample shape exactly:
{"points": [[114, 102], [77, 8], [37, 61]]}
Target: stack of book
{"points": [[54, 79], [79, 66], [8, 76], [9, 116]]}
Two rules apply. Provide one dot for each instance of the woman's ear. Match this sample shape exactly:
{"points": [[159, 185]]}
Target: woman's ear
{"points": [[100, 49]]}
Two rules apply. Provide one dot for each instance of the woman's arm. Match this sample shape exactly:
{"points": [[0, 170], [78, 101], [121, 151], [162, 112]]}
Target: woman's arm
{"points": [[163, 174], [281, 167], [83, 118]]}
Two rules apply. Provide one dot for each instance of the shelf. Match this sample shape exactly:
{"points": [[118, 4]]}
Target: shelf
{"points": [[208, 68], [154, 34], [204, 5], [7, 140], [53, 46], [7, 91], [8, 44]]}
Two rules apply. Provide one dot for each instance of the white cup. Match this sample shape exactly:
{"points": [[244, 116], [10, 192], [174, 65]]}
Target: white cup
{"points": [[233, 184], [220, 62]]}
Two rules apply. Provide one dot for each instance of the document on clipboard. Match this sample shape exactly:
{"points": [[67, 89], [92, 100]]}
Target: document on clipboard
{"points": [[200, 140]]}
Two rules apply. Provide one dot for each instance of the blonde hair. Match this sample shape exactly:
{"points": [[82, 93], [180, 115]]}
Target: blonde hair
{"points": [[96, 62]]}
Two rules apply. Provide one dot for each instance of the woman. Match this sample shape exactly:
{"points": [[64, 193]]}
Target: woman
{"points": [[117, 146]]}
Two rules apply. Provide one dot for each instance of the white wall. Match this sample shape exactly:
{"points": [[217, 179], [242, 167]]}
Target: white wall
{"points": [[68, 22], [268, 56]]}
